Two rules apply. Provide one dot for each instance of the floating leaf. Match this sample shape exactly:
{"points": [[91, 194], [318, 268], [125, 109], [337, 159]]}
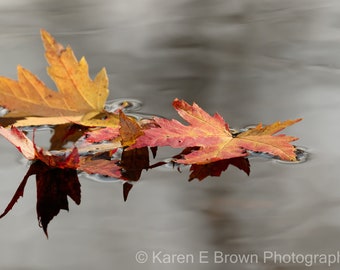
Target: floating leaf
{"points": [[77, 94], [113, 144], [214, 138]]}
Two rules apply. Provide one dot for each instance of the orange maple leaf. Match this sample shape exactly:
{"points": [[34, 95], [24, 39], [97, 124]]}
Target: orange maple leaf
{"points": [[213, 137], [129, 130], [78, 95]]}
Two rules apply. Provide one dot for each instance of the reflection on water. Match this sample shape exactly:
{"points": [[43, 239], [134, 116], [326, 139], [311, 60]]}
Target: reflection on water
{"points": [[251, 61]]}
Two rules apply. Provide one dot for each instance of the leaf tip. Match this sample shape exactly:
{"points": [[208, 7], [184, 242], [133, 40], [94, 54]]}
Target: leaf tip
{"points": [[179, 103], [46, 36], [50, 44], [43, 32]]}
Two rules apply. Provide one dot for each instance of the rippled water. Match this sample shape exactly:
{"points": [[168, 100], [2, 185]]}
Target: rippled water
{"points": [[251, 61]]}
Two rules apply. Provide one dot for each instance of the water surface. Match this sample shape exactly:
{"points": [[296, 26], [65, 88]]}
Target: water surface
{"points": [[252, 61]]}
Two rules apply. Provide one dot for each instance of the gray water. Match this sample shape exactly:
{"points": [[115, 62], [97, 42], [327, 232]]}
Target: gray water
{"points": [[251, 61]]}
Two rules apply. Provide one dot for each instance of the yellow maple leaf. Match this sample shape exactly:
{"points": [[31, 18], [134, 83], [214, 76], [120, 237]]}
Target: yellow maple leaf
{"points": [[78, 95], [72, 77]]}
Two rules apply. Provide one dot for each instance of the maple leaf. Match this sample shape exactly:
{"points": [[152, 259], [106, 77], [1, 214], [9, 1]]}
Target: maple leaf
{"points": [[103, 139], [72, 77], [129, 129], [68, 158], [56, 177], [99, 141], [20, 141], [103, 134], [32, 152], [133, 162], [105, 167], [77, 94], [53, 187], [128, 167], [212, 135]]}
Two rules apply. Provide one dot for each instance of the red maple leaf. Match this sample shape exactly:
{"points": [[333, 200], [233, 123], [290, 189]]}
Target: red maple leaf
{"points": [[103, 134], [213, 137]]}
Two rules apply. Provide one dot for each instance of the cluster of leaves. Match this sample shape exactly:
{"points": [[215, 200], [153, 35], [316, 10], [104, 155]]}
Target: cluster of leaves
{"points": [[113, 144]]}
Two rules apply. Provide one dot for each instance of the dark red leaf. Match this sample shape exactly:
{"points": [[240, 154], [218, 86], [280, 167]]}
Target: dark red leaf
{"points": [[70, 160], [53, 187], [133, 162]]}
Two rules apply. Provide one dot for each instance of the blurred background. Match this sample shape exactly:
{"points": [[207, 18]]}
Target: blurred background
{"points": [[251, 61]]}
